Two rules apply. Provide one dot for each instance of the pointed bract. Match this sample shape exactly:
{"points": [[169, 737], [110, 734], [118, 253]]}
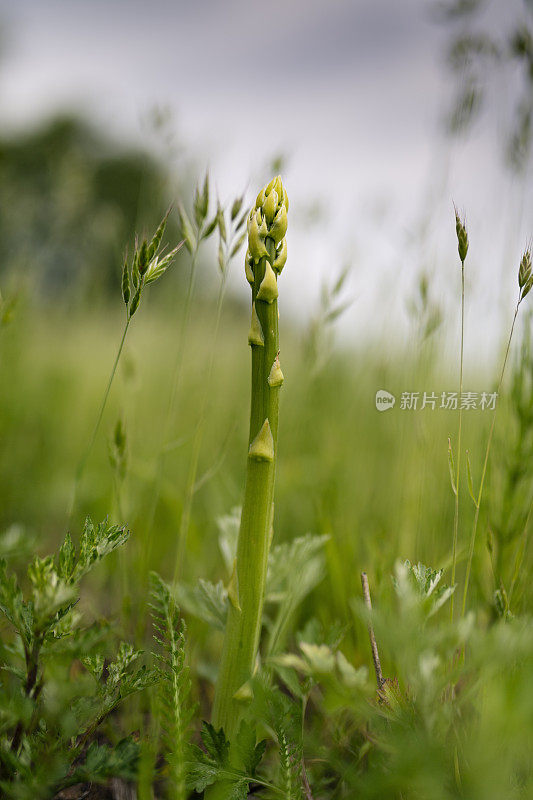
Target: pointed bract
{"points": [[268, 290], [157, 237], [256, 244], [275, 377], [248, 268], [262, 447], [255, 335], [281, 257], [279, 226], [270, 206], [260, 199]]}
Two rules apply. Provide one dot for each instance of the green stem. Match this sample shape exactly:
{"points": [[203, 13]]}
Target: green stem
{"points": [[83, 461], [458, 473], [484, 471], [520, 552], [198, 437], [30, 687], [160, 460], [243, 625]]}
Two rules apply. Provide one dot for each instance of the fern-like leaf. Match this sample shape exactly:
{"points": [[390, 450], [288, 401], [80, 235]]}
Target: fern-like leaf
{"points": [[285, 719], [173, 707]]}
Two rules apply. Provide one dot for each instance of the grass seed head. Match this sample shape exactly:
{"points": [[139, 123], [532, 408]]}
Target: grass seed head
{"points": [[221, 222], [143, 260], [186, 229], [135, 302], [462, 237], [236, 207], [125, 281], [525, 276], [154, 245], [201, 202]]}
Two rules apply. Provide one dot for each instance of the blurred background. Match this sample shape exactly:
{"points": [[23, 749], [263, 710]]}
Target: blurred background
{"points": [[379, 116]]}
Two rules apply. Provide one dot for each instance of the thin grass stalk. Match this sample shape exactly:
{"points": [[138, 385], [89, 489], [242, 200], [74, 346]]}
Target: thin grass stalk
{"points": [[459, 438], [198, 438], [193, 234], [485, 463], [228, 247], [462, 248], [147, 266], [520, 552], [176, 377], [83, 460]]}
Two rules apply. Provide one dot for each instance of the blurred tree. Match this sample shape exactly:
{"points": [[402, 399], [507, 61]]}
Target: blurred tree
{"points": [[490, 52], [70, 199]]}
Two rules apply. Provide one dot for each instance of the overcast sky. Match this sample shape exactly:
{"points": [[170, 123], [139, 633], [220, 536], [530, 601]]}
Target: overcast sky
{"points": [[354, 92]]}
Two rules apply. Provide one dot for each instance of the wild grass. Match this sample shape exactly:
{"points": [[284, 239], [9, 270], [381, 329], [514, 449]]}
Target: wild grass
{"points": [[356, 491]]}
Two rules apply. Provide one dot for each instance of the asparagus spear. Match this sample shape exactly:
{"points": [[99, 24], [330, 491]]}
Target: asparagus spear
{"points": [[265, 258]]}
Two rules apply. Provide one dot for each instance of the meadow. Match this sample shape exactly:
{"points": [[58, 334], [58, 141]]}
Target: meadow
{"points": [[355, 491]]}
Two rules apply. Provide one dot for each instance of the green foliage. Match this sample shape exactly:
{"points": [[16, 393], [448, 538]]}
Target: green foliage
{"points": [[319, 339], [418, 586], [193, 233], [213, 764], [283, 715], [424, 307], [101, 762], [453, 716], [7, 309], [50, 708], [485, 59], [510, 496], [118, 451], [434, 729], [71, 196], [303, 557], [206, 601]]}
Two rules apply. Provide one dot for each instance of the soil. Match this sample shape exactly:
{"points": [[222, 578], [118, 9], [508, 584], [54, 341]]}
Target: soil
{"points": [[116, 789]]}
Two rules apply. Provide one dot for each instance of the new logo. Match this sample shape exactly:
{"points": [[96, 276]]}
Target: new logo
{"points": [[384, 400]]}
